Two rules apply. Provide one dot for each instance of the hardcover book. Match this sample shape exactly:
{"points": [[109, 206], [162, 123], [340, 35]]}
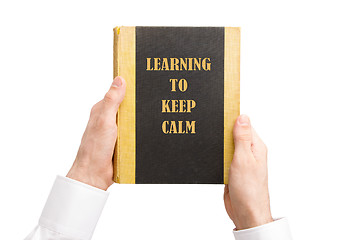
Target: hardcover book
{"points": [[182, 97]]}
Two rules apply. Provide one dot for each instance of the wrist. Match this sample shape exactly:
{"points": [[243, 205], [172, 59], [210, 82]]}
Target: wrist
{"points": [[84, 176], [250, 219]]}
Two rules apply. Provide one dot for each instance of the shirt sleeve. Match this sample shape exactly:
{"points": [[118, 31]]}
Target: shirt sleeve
{"points": [[71, 211], [276, 230]]}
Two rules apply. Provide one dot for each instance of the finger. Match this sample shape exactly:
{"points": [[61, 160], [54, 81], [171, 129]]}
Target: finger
{"points": [[115, 95], [242, 133]]}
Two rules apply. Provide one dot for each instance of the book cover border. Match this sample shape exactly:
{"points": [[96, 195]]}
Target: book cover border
{"points": [[124, 54]]}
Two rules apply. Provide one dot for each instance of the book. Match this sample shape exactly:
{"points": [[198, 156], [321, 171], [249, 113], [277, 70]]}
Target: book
{"points": [[175, 124]]}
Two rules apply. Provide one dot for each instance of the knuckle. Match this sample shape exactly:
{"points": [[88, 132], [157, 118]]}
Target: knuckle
{"points": [[103, 122], [94, 109], [100, 121], [245, 136], [242, 133], [109, 98]]}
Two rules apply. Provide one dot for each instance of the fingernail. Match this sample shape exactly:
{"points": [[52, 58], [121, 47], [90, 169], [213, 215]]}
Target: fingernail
{"points": [[243, 120], [117, 82]]}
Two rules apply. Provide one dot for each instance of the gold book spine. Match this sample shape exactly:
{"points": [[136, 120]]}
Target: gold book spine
{"points": [[124, 57], [231, 92], [116, 158]]}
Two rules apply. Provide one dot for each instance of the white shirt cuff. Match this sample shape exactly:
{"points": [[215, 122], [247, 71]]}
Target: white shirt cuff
{"points": [[73, 208], [276, 230]]}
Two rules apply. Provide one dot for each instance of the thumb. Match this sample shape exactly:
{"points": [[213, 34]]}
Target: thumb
{"points": [[115, 95], [242, 132]]}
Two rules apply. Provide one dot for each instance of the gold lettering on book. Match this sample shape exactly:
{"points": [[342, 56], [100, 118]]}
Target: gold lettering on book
{"points": [[179, 127], [182, 84], [173, 106], [178, 105], [178, 64]]}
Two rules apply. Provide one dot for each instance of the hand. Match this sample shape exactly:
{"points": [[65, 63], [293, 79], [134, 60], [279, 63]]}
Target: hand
{"points": [[246, 196], [93, 163]]}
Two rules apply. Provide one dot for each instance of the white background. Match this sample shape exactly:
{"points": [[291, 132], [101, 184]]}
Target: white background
{"points": [[56, 62]]}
